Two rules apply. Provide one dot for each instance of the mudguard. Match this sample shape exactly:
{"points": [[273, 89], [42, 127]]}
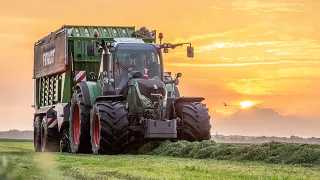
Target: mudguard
{"points": [[51, 113], [189, 99], [110, 98], [85, 92], [176, 100], [90, 90], [183, 99]]}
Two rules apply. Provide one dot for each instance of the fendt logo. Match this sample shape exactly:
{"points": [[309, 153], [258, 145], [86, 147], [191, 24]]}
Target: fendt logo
{"points": [[48, 57]]}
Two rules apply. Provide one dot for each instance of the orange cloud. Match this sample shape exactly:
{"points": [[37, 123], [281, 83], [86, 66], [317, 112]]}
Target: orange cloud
{"points": [[241, 64]]}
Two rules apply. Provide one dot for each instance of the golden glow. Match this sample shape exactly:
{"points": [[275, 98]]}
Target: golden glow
{"points": [[259, 50], [246, 104]]}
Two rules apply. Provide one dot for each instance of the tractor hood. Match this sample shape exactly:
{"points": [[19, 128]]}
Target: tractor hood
{"points": [[149, 90]]}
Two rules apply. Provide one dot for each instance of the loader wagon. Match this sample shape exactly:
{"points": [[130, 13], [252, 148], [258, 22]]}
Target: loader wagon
{"points": [[102, 89]]}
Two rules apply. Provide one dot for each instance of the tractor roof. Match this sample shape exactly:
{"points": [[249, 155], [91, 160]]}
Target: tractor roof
{"points": [[108, 33]]}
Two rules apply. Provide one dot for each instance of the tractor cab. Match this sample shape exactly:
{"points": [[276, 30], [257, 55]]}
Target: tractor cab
{"points": [[129, 59]]}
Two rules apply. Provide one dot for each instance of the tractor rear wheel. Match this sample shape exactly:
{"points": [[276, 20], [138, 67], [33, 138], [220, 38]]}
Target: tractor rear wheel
{"points": [[195, 121], [49, 137], [109, 127], [37, 134], [79, 127]]}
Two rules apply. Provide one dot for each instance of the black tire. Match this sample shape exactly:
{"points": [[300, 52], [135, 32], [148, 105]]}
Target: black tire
{"points": [[79, 127], [64, 140], [49, 137], [37, 134], [195, 121], [109, 128]]}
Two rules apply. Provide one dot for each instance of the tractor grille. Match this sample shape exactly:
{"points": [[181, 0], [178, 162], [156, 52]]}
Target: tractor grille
{"points": [[146, 88]]}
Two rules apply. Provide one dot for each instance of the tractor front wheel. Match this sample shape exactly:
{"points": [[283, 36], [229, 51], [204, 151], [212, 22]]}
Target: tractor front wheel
{"points": [[109, 128], [195, 121], [79, 127]]}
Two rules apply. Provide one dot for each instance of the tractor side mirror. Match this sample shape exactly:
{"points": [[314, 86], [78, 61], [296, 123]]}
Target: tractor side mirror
{"points": [[90, 49], [176, 80], [190, 52]]}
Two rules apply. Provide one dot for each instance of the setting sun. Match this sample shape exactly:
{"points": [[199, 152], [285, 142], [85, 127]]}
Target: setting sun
{"points": [[246, 104]]}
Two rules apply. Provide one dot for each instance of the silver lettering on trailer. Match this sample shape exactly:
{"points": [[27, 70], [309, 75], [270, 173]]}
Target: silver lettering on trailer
{"points": [[48, 57]]}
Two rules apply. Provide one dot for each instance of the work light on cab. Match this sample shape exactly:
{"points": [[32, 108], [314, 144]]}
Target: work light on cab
{"points": [[160, 36], [96, 33]]}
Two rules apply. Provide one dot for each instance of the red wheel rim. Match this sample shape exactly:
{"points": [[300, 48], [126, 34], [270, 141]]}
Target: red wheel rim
{"points": [[76, 125], [96, 131], [42, 139]]}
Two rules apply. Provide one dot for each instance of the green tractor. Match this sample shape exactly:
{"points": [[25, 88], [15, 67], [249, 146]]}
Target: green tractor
{"points": [[103, 89]]}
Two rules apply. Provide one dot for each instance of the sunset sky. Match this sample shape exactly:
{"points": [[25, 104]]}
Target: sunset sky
{"points": [[263, 51]]}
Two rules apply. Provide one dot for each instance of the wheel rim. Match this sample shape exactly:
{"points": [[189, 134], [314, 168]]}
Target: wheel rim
{"points": [[96, 131], [76, 125], [42, 139]]}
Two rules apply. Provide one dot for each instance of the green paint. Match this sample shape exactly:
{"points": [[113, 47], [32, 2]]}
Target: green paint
{"points": [[104, 31], [66, 93], [170, 88], [95, 90], [135, 95], [58, 86]]}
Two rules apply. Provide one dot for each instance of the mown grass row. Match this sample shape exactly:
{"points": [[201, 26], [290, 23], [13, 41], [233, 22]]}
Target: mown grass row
{"points": [[16, 140], [272, 152]]}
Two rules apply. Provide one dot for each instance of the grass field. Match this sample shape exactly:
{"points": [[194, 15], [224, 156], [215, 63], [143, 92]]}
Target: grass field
{"points": [[29, 165]]}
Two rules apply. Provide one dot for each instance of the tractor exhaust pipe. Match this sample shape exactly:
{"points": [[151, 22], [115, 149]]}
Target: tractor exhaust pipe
{"points": [[106, 60], [108, 89]]}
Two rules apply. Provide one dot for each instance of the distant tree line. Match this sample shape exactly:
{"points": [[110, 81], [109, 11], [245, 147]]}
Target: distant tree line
{"points": [[16, 134], [263, 139]]}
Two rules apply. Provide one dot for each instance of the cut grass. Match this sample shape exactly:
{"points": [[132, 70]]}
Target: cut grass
{"points": [[16, 140], [30, 165], [273, 152]]}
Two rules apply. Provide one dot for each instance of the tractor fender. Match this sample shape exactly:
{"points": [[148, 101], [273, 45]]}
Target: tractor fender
{"points": [[189, 99], [90, 91], [175, 102], [50, 113], [63, 113], [184, 99], [85, 92], [110, 98]]}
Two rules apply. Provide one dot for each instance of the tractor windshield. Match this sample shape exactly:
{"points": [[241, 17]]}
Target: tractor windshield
{"points": [[135, 57]]}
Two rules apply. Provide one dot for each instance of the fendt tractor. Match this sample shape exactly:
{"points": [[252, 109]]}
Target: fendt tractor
{"points": [[101, 89]]}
